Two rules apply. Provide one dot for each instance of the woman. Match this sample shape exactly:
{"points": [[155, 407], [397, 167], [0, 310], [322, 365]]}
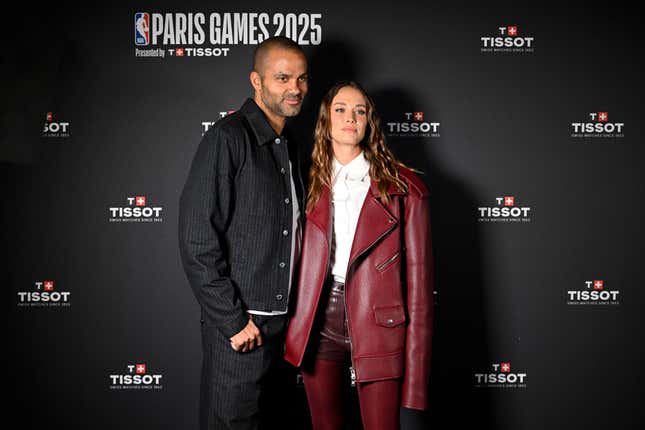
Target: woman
{"points": [[364, 298]]}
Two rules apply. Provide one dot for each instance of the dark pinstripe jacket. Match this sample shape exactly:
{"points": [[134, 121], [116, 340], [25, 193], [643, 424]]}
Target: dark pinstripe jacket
{"points": [[235, 219]]}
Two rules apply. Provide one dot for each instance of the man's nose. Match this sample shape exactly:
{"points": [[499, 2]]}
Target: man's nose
{"points": [[295, 87]]}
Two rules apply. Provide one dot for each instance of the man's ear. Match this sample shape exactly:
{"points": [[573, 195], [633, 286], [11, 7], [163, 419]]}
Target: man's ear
{"points": [[256, 80]]}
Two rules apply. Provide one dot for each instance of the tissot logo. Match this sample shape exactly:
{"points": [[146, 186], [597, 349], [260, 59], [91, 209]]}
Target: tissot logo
{"points": [[135, 378], [43, 294], [208, 124], [136, 211], [179, 34], [593, 293], [507, 39], [413, 124], [56, 128], [598, 125], [500, 375], [505, 210]]}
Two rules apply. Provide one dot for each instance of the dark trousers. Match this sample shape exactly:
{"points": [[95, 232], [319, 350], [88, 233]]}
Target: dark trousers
{"points": [[244, 390], [327, 378]]}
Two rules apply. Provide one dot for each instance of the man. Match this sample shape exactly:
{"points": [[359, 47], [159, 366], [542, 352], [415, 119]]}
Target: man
{"points": [[239, 220]]}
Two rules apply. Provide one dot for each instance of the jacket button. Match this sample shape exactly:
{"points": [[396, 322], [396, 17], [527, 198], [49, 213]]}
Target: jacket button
{"points": [[283, 170], [390, 220], [285, 232], [277, 140], [286, 201], [390, 321], [278, 297], [282, 264]]}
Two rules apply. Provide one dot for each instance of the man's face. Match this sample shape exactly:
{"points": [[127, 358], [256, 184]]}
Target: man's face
{"points": [[283, 82]]}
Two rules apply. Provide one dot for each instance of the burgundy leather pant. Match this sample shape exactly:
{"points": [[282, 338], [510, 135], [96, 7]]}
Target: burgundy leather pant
{"points": [[326, 382]]}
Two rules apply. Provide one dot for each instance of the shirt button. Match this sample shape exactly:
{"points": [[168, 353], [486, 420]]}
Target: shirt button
{"points": [[286, 201], [285, 232], [278, 297], [283, 170], [282, 264], [277, 140]]}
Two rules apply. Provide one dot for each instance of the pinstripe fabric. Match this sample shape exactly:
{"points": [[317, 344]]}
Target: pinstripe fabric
{"points": [[245, 390], [235, 227]]}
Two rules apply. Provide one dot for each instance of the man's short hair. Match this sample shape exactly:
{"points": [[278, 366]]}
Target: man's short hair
{"points": [[275, 42]]}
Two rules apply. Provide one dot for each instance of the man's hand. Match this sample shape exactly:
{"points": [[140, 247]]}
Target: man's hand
{"points": [[247, 339]]}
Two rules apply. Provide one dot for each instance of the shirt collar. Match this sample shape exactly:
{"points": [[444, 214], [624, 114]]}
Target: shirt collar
{"points": [[356, 169], [258, 121]]}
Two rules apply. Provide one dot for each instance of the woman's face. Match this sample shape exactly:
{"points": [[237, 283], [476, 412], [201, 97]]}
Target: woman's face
{"points": [[348, 117]]}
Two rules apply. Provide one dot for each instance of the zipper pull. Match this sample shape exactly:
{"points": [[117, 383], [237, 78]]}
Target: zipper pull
{"points": [[352, 374]]}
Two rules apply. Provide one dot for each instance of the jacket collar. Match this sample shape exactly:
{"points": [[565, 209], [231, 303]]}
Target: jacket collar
{"points": [[258, 121], [375, 220], [392, 189]]}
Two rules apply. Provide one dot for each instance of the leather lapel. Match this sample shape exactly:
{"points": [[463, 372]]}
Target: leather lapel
{"points": [[374, 222], [321, 213]]}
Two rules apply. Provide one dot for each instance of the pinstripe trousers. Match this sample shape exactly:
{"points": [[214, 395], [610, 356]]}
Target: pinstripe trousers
{"points": [[240, 390]]}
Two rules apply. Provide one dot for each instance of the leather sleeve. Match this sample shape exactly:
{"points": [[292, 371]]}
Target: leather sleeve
{"points": [[419, 275]]}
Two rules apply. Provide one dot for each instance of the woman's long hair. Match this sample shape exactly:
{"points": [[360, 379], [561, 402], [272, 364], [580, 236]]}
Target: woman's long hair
{"points": [[384, 167]]}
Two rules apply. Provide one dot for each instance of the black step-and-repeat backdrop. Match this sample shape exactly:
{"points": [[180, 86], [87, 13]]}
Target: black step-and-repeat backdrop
{"points": [[527, 124]]}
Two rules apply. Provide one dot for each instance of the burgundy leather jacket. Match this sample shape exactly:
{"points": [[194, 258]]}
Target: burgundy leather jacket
{"points": [[388, 288]]}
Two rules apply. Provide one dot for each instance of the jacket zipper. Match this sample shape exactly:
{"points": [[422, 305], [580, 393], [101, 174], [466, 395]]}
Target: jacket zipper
{"points": [[352, 370], [389, 261]]}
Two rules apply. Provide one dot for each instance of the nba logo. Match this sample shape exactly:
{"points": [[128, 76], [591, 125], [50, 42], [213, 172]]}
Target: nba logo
{"points": [[141, 29]]}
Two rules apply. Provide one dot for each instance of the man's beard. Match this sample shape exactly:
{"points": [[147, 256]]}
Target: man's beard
{"points": [[275, 104]]}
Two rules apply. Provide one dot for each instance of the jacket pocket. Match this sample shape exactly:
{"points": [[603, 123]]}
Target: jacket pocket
{"points": [[389, 316], [387, 263]]}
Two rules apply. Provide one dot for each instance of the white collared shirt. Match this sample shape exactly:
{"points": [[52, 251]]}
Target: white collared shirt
{"points": [[350, 185]]}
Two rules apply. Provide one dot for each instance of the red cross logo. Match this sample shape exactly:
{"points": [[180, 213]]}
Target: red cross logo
{"points": [[506, 367], [603, 116], [50, 116], [140, 369], [512, 30], [179, 52], [140, 200], [49, 285], [598, 284], [509, 201], [418, 116]]}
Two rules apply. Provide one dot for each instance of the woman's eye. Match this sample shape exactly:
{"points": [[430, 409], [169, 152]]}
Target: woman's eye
{"points": [[340, 110], [361, 112]]}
